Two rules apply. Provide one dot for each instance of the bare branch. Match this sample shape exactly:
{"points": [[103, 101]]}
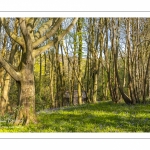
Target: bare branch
{"points": [[14, 74], [30, 25], [42, 49], [68, 29], [45, 26], [12, 35], [49, 34]]}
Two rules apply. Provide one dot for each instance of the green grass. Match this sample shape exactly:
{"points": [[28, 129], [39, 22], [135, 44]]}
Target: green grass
{"points": [[100, 117]]}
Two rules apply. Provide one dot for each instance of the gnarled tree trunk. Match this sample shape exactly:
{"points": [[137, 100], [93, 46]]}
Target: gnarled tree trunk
{"points": [[26, 109]]}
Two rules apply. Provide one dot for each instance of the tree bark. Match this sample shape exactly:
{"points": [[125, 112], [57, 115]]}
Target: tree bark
{"points": [[26, 109], [79, 33], [51, 77]]}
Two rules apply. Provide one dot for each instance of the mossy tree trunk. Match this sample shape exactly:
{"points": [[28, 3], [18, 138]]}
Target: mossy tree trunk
{"points": [[79, 33]]}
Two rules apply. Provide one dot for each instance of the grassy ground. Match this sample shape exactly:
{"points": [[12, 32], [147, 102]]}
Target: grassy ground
{"points": [[100, 117]]}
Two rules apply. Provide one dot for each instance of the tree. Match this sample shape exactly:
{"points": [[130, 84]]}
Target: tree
{"points": [[79, 33], [30, 38]]}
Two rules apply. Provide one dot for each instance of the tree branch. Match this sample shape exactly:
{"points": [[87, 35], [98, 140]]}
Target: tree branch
{"points": [[30, 25], [17, 39], [49, 34], [14, 74], [68, 29], [43, 29], [42, 49]]}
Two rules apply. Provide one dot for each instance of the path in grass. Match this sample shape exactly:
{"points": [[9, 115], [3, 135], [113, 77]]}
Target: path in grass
{"points": [[100, 117]]}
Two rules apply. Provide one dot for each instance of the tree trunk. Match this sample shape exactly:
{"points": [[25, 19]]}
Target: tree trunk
{"points": [[145, 80], [40, 77], [79, 31], [51, 78], [2, 102], [26, 109], [88, 75], [5, 91], [115, 52]]}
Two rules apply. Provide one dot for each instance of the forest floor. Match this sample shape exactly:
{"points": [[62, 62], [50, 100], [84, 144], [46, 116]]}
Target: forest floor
{"points": [[104, 116]]}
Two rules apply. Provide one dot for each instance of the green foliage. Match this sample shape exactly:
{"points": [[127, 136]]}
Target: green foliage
{"points": [[100, 117], [13, 95], [42, 98]]}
